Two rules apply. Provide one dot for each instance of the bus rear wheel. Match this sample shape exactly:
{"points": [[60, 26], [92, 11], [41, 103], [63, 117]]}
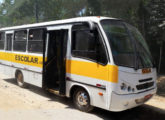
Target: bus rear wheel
{"points": [[82, 101], [20, 79]]}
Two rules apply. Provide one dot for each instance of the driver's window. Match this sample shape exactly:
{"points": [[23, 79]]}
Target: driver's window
{"points": [[83, 41], [87, 44]]}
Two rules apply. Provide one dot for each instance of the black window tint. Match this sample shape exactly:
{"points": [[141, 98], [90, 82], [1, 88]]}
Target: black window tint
{"points": [[88, 44], [20, 40], [83, 41], [35, 43], [2, 39]]}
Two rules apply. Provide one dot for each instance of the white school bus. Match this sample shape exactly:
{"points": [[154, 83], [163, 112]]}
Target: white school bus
{"points": [[98, 61]]}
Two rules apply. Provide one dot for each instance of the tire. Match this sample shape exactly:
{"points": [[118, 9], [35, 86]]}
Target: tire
{"points": [[81, 100], [20, 79]]}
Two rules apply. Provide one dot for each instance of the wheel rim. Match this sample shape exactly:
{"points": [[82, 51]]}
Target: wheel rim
{"points": [[20, 78], [82, 98]]}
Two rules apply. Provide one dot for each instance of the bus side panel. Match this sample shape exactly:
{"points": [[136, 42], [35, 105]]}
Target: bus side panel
{"points": [[5, 61], [28, 61], [35, 79], [7, 72], [1, 69], [93, 91], [30, 65]]}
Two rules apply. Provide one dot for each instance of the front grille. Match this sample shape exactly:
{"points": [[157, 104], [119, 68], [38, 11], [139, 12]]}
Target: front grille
{"points": [[144, 86], [145, 80]]}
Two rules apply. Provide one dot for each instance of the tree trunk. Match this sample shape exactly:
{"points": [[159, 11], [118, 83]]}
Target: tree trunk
{"points": [[36, 11]]}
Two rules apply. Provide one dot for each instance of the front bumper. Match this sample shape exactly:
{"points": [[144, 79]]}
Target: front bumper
{"points": [[124, 102]]}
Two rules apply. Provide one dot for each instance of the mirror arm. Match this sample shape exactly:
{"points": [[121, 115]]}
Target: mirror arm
{"points": [[91, 25]]}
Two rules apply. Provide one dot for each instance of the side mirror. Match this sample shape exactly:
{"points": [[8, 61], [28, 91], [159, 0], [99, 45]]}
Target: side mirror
{"points": [[91, 26]]}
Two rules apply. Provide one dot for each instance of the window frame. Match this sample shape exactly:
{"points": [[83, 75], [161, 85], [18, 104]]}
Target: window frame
{"points": [[2, 32], [43, 37], [101, 41], [12, 37], [25, 41]]}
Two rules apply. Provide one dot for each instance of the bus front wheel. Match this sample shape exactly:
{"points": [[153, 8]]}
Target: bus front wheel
{"points": [[81, 100], [20, 79]]}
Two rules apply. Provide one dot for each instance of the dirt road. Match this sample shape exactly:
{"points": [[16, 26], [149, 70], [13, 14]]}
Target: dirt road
{"points": [[33, 104]]}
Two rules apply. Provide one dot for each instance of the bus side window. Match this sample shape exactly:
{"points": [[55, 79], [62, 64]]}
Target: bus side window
{"points": [[20, 40], [35, 40], [88, 44], [2, 39]]}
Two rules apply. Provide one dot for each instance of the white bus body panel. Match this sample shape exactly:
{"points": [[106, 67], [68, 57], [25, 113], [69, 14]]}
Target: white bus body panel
{"points": [[122, 100], [89, 85]]}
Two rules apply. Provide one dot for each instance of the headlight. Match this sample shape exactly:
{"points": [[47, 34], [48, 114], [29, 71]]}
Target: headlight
{"points": [[129, 88], [125, 87], [133, 89]]}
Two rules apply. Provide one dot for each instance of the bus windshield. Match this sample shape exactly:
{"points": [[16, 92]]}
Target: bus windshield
{"points": [[128, 47]]}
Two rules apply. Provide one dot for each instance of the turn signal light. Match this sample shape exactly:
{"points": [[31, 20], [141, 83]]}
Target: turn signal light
{"points": [[101, 94], [146, 70]]}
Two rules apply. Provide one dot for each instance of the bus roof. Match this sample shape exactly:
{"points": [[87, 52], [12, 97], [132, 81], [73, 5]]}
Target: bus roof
{"points": [[65, 21]]}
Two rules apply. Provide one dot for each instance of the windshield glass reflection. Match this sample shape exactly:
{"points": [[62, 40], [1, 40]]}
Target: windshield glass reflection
{"points": [[128, 47]]}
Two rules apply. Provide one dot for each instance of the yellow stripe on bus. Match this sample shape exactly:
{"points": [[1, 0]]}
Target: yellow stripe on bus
{"points": [[31, 60], [89, 69], [93, 70]]}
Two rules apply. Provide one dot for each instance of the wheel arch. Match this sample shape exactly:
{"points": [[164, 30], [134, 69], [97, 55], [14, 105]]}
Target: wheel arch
{"points": [[77, 86]]}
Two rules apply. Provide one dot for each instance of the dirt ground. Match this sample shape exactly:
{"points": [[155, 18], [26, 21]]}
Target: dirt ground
{"points": [[161, 86], [34, 104]]}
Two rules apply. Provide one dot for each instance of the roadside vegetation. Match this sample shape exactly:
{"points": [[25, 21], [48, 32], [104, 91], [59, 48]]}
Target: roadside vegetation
{"points": [[147, 15]]}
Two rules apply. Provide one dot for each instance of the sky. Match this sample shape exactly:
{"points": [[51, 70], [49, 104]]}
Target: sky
{"points": [[1, 1]]}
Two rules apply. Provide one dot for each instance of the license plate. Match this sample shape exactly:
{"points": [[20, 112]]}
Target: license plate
{"points": [[148, 96]]}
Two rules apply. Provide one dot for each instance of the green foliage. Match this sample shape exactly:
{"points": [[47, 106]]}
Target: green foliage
{"points": [[155, 33], [147, 15], [25, 11]]}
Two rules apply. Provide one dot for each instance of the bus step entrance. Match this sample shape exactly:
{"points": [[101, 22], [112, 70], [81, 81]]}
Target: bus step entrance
{"points": [[54, 91]]}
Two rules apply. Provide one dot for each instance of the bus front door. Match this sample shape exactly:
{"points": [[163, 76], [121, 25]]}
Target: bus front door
{"points": [[55, 65]]}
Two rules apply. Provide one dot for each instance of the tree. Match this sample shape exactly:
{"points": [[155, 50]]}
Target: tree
{"points": [[156, 40], [93, 8], [147, 15]]}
